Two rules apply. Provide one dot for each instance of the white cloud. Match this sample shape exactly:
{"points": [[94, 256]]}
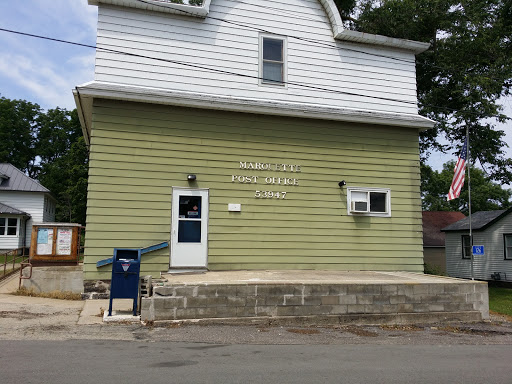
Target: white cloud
{"points": [[38, 70], [49, 86]]}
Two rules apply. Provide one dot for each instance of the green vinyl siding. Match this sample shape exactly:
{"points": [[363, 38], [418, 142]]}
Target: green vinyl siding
{"points": [[139, 152]]}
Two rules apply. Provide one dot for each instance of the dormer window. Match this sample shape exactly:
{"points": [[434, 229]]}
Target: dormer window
{"points": [[272, 60], [3, 178]]}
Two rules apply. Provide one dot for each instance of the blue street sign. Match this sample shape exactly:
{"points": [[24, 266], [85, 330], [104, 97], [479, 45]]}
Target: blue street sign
{"points": [[478, 250]]}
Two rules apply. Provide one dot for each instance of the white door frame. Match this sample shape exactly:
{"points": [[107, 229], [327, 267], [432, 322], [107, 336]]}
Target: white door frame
{"points": [[189, 255]]}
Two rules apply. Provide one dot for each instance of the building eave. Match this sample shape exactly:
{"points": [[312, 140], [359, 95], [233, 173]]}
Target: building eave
{"points": [[160, 6], [338, 30], [481, 228], [86, 93], [368, 38]]}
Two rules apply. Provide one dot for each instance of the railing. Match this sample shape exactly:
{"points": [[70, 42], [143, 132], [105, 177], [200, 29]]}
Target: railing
{"points": [[11, 260]]}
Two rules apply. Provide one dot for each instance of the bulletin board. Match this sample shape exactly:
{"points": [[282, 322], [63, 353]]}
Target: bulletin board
{"points": [[55, 243]]}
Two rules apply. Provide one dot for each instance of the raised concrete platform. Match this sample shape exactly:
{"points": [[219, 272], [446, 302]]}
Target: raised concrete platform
{"points": [[54, 278], [334, 297]]}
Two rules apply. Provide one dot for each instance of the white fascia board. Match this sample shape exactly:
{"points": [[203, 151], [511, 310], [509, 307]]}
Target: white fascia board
{"points": [[368, 38], [89, 91], [334, 16], [84, 110], [340, 33], [160, 6]]}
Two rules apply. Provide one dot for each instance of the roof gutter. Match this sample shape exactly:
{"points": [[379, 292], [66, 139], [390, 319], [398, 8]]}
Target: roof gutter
{"points": [[102, 90], [369, 38]]}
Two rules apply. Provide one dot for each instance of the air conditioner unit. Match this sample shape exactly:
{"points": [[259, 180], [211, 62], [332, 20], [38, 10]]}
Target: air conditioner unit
{"points": [[359, 207]]}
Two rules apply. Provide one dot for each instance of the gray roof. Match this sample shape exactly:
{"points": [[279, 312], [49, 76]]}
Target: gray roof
{"points": [[17, 180], [479, 220], [10, 210]]}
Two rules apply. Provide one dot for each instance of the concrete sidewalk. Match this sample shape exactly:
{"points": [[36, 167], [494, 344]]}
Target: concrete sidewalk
{"points": [[34, 318], [45, 311]]}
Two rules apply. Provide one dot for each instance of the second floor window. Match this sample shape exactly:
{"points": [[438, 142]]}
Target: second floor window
{"points": [[273, 69]]}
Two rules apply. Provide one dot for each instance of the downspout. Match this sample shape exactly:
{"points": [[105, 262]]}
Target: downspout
{"points": [[25, 234]]}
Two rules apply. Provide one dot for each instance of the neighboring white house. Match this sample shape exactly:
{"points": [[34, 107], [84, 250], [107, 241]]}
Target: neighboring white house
{"points": [[23, 201], [493, 230]]}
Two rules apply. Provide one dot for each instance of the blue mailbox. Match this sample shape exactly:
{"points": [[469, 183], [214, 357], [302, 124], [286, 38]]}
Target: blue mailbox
{"points": [[125, 276]]}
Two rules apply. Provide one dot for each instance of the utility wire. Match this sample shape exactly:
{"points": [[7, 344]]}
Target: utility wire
{"points": [[317, 42], [250, 27], [206, 68], [209, 69]]}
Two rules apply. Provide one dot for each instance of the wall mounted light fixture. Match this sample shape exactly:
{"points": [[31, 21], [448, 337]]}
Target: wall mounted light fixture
{"points": [[191, 177], [342, 183]]}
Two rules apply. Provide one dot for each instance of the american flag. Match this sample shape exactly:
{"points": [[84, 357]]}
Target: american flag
{"points": [[459, 173]]}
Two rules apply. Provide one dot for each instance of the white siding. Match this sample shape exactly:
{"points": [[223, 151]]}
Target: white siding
{"points": [[493, 260], [359, 74], [29, 202]]}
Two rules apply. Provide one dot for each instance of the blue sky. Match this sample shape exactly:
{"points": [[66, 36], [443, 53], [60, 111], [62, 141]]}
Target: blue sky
{"points": [[45, 72], [40, 71]]}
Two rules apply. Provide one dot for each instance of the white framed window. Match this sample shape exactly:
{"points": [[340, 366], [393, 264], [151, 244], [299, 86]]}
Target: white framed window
{"points": [[9, 226], [369, 201], [272, 60], [507, 238]]}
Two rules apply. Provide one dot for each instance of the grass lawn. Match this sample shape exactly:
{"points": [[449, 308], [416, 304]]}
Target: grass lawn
{"points": [[500, 300]]}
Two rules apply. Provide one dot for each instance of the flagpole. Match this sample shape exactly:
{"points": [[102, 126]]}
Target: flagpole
{"points": [[469, 203]]}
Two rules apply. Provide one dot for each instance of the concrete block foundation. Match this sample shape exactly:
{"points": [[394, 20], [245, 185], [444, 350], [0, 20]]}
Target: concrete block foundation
{"points": [[318, 297]]}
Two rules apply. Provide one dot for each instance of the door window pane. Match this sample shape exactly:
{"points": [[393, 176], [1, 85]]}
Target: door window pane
{"points": [[189, 231], [190, 207]]}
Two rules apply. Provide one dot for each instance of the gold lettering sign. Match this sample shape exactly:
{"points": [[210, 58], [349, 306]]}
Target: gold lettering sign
{"points": [[268, 180]]}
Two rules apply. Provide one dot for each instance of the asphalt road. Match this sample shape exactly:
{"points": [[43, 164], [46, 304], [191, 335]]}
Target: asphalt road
{"points": [[96, 361], [53, 341]]}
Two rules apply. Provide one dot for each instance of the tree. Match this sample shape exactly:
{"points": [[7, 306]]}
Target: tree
{"points": [[346, 8], [47, 146], [464, 73], [486, 195], [58, 129], [18, 133], [66, 177]]}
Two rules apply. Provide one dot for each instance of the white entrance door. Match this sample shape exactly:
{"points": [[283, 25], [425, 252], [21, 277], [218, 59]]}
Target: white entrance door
{"points": [[189, 233]]}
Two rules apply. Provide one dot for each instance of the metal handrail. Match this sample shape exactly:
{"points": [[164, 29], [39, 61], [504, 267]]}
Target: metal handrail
{"points": [[17, 258], [23, 265]]}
